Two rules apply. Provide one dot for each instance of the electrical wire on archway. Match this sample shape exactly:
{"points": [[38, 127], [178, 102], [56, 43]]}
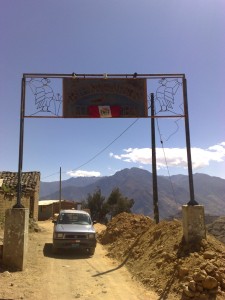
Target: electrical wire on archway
{"points": [[98, 153], [105, 148], [168, 171]]}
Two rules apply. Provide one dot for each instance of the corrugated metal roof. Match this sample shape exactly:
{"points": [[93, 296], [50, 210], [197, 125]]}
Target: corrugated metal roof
{"points": [[46, 202]]}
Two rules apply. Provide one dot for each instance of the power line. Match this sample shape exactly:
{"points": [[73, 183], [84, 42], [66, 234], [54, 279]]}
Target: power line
{"points": [[101, 151], [50, 175], [98, 153], [168, 171]]}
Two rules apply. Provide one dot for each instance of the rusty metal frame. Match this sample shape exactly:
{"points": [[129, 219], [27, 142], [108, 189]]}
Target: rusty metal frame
{"points": [[134, 75]]}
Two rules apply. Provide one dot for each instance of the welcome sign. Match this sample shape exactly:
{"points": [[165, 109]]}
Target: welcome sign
{"points": [[104, 98]]}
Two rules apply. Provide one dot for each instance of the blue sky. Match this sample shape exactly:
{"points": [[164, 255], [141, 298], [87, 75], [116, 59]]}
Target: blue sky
{"points": [[114, 37]]}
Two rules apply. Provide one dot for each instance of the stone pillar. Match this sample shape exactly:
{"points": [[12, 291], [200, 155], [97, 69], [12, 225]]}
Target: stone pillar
{"points": [[15, 242], [193, 223]]}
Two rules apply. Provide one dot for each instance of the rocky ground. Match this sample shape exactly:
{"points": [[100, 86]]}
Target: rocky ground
{"points": [[158, 257]]}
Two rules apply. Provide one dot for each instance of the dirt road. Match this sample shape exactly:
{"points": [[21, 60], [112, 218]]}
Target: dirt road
{"points": [[69, 276]]}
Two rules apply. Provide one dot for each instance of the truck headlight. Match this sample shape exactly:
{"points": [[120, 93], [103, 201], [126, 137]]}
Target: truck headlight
{"points": [[58, 235], [91, 236]]}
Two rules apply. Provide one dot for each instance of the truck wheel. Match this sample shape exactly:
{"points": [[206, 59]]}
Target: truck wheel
{"points": [[55, 250], [92, 251]]}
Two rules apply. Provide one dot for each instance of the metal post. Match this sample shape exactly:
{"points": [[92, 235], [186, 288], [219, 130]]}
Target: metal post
{"points": [[60, 190], [20, 164], [154, 170], [188, 145]]}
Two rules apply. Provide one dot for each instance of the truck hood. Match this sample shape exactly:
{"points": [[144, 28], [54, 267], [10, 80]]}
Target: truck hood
{"points": [[74, 228]]}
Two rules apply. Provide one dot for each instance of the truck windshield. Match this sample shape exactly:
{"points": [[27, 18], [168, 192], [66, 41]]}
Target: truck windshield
{"points": [[68, 218]]}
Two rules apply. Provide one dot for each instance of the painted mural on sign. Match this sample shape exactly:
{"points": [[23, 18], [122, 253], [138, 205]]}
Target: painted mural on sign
{"points": [[118, 98]]}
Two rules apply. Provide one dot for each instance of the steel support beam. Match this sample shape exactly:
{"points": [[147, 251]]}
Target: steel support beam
{"points": [[20, 164], [154, 167], [188, 146]]}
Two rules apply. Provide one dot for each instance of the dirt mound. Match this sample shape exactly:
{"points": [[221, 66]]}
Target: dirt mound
{"points": [[157, 256], [217, 228]]}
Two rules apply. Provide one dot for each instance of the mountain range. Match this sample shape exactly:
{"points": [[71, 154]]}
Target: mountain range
{"points": [[135, 183]]}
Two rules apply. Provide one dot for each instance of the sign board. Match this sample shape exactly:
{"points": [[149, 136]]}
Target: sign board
{"points": [[104, 98]]}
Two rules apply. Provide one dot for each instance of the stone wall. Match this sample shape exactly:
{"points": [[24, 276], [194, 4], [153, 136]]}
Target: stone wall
{"points": [[8, 201], [30, 184]]}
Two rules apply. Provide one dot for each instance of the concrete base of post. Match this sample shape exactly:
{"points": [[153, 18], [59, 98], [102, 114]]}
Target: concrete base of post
{"points": [[15, 242], [193, 223]]}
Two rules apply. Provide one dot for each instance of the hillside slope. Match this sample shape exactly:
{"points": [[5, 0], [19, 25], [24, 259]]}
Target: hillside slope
{"points": [[136, 183]]}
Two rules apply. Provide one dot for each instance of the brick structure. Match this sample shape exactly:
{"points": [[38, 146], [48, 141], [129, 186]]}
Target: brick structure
{"points": [[30, 183], [48, 208]]}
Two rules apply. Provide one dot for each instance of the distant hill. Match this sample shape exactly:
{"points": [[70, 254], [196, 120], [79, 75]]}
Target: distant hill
{"points": [[136, 183], [47, 188]]}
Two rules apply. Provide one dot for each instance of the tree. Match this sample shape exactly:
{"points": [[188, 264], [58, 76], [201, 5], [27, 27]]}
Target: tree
{"points": [[114, 205], [117, 203], [96, 204]]}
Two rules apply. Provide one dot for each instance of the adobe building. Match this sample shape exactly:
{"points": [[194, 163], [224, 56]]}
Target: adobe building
{"points": [[48, 208], [30, 183]]}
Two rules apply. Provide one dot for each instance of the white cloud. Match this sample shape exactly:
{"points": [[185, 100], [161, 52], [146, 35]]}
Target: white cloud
{"points": [[81, 173], [115, 156], [174, 157]]}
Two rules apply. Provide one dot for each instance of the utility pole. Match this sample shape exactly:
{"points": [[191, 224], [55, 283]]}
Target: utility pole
{"points": [[188, 144], [154, 170], [60, 189], [20, 164]]}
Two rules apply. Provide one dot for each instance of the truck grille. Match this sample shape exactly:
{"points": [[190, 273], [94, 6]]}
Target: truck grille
{"points": [[75, 236]]}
